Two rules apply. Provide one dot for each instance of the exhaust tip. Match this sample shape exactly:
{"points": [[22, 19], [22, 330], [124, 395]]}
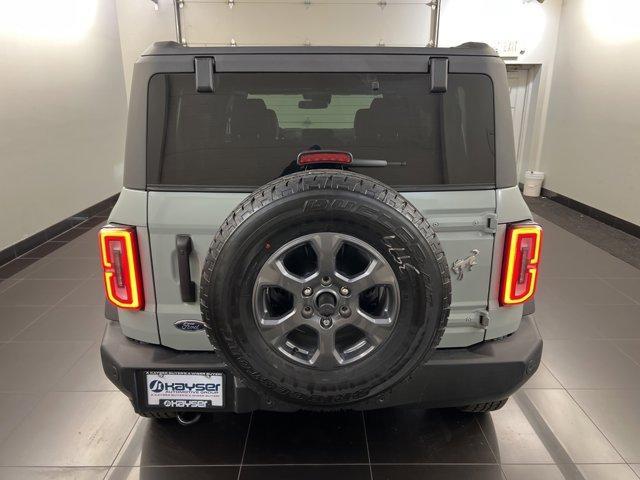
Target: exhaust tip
{"points": [[187, 418]]}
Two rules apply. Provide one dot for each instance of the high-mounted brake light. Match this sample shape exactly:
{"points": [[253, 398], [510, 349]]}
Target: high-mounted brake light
{"points": [[121, 267], [520, 263], [314, 157]]}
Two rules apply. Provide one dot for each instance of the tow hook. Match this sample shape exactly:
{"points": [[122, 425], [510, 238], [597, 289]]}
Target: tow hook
{"points": [[187, 418]]}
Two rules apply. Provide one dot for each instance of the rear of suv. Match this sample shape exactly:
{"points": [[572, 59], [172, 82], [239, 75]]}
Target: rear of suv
{"points": [[319, 228]]}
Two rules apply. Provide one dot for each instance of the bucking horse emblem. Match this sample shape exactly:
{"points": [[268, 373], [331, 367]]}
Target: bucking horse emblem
{"points": [[462, 264]]}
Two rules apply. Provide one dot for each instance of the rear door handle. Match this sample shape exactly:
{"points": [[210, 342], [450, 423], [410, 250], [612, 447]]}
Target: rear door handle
{"points": [[187, 287]]}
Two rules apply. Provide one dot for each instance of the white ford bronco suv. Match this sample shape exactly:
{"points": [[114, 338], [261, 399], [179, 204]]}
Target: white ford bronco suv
{"points": [[319, 228]]}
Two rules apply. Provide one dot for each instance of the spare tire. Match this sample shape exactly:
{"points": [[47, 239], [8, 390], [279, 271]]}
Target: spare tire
{"points": [[324, 288]]}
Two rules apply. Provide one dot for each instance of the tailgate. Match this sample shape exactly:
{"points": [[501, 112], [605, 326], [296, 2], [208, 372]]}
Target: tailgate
{"points": [[464, 221]]}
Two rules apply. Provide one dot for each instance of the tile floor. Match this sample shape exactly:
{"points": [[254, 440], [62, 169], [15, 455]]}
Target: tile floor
{"points": [[578, 418]]}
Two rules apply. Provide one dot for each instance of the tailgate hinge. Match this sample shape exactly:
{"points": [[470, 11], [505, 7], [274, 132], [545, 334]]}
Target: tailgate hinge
{"points": [[204, 67], [439, 72], [491, 223]]}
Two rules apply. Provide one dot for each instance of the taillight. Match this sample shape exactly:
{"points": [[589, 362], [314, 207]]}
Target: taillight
{"points": [[314, 157], [520, 263], [121, 267]]}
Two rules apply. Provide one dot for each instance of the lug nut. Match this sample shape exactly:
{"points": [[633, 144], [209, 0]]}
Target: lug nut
{"points": [[344, 291], [307, 291], [345, 311], [326, 281], [307, 312], [326, 322]]}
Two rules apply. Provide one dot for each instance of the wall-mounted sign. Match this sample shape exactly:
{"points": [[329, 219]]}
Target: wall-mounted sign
{"points": [[507, 48]]}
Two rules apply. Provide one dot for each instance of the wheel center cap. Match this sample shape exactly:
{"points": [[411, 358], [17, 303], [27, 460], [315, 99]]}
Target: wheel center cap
{"points": [[326, 303]]}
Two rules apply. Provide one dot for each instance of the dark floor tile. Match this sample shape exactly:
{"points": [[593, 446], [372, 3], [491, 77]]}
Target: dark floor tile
{"points": [[617, 321], [605, 472], [91, 292], [37, 366], [173, 473], [542, 379], [82, 247], [628, 286], [566, 321], [218, 439], [52, 473], [44, 249], [615, 412], [590, 364], [30, 264], [612, 240], [37, 292], [15, 266], [425, 436], [5, 283], [630, 347], [14, 407], [306, 437], [14, 319], [67, 323], [571, 321], [86, 375], [580, 291], [30, 243], [71, 429], [566, 432], [306, 472], [70, 234], [67, 268], [565, 255], [105, 212], [7, 254], [94, 221], [569, 472], [606, 266], [437, 472], [514, 434]]}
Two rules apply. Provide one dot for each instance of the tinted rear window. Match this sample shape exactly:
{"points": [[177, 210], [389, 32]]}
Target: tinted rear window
{"points": [[252, 128]]}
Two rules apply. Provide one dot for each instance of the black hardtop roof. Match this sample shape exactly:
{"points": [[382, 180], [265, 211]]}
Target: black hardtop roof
{"points": [[466, 49]]}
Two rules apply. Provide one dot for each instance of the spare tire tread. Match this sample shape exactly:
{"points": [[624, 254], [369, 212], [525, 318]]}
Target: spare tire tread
{"points": [[321, 180]]}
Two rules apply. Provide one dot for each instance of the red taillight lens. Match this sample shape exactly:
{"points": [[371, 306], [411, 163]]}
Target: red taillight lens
{"points": [[324, 156], [520, 263], [121, 267]]}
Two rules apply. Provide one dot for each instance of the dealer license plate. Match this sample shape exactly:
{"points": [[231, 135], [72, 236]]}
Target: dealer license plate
{"points": [[185, 389]]}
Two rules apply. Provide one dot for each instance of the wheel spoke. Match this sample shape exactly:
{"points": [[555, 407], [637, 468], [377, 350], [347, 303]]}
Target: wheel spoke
{"points": [[326, 246], [326, 355], [302, 278], [376, 273], [375, 329], [274, 273], [274, 330]]}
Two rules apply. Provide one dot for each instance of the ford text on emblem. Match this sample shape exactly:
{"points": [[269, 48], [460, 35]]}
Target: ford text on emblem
{"points": [[189, 325]]}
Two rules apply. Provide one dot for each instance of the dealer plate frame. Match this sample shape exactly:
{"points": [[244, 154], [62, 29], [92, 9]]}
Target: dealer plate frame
{"points": [[149, 406]]}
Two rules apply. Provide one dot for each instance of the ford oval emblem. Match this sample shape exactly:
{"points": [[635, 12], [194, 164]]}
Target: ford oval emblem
{"points": [[189, 325]]}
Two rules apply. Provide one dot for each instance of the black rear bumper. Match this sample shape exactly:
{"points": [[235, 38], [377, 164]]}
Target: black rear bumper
{"points": [[485, 372]]}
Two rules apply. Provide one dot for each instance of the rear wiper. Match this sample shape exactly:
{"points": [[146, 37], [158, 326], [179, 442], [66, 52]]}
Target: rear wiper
{"points": [[364, 162]]}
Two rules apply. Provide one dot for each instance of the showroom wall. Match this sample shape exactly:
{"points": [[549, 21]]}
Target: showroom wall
{"points": [[591, 148], [63, 112], [141, 23], [525, 33]]}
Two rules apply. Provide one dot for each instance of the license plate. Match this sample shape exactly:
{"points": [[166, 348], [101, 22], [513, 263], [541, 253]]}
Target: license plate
{"points": [[185, 389]]}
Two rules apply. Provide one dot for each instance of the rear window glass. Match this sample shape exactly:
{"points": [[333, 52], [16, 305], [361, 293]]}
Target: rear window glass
{"points": [[251, 130]]}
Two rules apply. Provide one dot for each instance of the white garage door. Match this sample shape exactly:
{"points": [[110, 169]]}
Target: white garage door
{"points": [[310, 22]]}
